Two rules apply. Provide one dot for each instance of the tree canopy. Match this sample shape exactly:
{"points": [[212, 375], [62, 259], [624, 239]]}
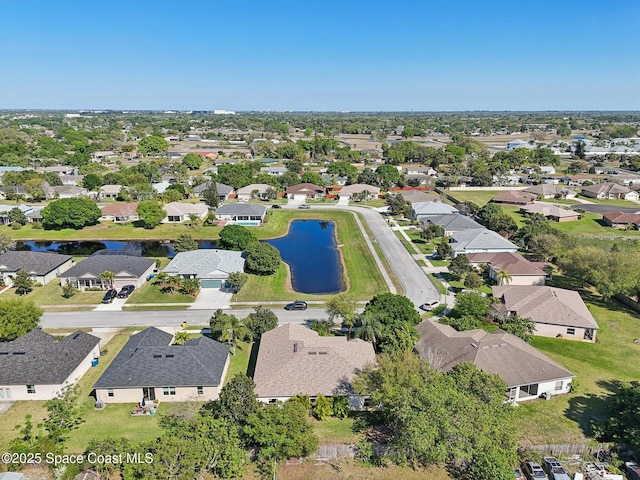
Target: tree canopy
{"points": [[151, 213], [236, 237], [70, 213], [17, 317], [184, 243], [262, 258]]}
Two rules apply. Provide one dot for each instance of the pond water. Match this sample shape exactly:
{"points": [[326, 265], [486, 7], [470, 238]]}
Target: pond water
{"points": [[310, 250], [85, 248]]}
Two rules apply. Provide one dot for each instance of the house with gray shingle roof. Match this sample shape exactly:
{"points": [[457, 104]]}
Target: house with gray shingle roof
{"points": [[424, 209], [149, 366], [36, 366], [246, 214], [223, 190], [527, 372], [42, 267], [294, 359], [556, 312], [211, 267], [480, 240], [128, 269], [452, 223]]}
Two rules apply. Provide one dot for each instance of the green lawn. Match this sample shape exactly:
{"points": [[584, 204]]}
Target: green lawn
{"points": [[52, 295], [459, 285], [566, 418], [617, 203], [333, 431], [151, 293], [590, 224], [438, 284], [479, 197], [239, 362]]}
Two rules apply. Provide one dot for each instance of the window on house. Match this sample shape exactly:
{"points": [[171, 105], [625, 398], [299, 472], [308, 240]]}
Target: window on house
{"points": [[1, 393], [31, 389], [169, 391], [110, 392], [529, 390], [571, 331], [200, 390], [558, 386]]}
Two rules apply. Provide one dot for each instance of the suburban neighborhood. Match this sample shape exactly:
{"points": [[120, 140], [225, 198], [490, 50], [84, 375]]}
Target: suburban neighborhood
{"points": [[340, 290]]}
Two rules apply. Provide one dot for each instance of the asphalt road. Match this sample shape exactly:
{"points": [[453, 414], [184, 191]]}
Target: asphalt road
{"points": [[161, 318], [415, 284], [603, 208]]}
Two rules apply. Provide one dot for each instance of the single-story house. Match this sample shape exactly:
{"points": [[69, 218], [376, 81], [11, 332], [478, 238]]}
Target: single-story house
{"points": [[255, 190], [178, 212], [452, 223], [480, 240], [519, 143], [211, 267], [37, 366], [305, 191], [545, 190], [413, 195], [556, 312], [547, 170], [5, 209], [246, 214], [293, 359], [357, 189], [120, 212], [274, 171], [552, 212], [60, 169], [69, 191], [109, 192], [223, 190], [334, 180], [149, 367], [514, 197], [621, 220], [161, 187], [521, 270], [12, 191], [415, 170], [128, 270], [610, 191], [75, 180], [527, 372], [425, 209], [42, 267]]}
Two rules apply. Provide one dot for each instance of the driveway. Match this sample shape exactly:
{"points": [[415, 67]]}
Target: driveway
{"points": [[211, 299], [115, 305]]}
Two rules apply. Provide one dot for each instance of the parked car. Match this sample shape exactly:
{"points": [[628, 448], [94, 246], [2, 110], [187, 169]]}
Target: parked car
{"points": [[517, 474], [304, 206], [109, 296], [428, 306], [632, 469], [276, 206], [297, 305], [533, 471], [126, 291], [554, 469]]}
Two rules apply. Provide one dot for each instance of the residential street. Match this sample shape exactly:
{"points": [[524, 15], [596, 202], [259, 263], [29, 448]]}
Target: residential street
{"points": [[414, 281], [160, 318]]}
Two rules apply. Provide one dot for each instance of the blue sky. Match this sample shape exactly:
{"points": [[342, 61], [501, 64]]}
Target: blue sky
{"points": [[320, 55]]}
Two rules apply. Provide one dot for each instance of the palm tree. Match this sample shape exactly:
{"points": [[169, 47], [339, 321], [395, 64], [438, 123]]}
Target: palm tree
{"points": [[368, 328], [504, 277], [107, 278], [194, 221], [230, 330]]}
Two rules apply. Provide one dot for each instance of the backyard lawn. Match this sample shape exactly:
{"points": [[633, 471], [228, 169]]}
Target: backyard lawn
{"points": [[567, 418], [151, 293]]}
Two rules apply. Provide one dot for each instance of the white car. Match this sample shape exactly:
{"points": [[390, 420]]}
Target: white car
{"points": [[428, 306]]}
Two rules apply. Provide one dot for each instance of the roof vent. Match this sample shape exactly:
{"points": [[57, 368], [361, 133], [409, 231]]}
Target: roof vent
{"points": [[313, 353], [157, 356], [295, 348], [169, 356], [323, 353], [19, 353], [474, 345], [75, 336]]}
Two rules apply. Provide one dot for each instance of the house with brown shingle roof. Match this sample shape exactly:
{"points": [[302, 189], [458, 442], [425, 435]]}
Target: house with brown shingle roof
{"points": [[527, 372], [120, 212], [553, 213], [305, 191], [622, 220], [521, 270], [293, 359], [556, 312], [514, 197], [610, 191]]}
